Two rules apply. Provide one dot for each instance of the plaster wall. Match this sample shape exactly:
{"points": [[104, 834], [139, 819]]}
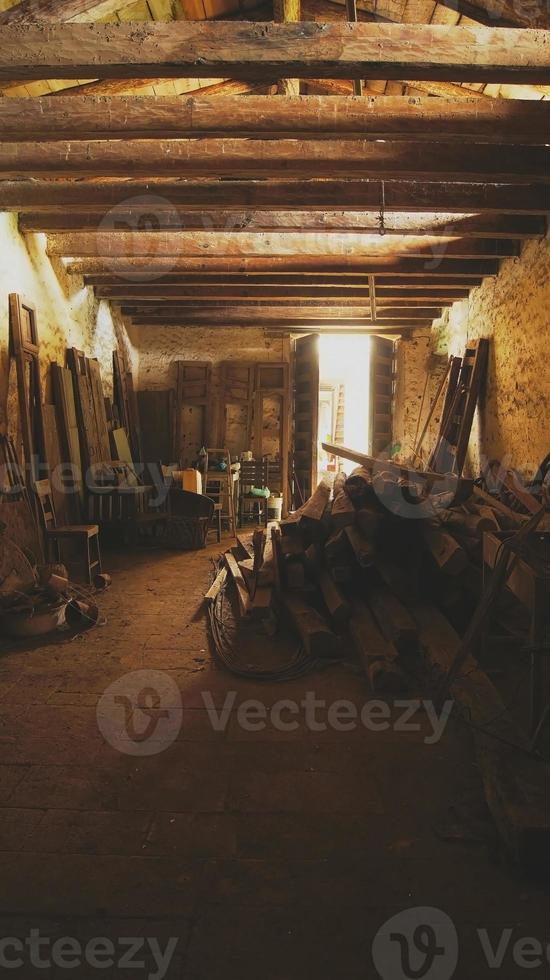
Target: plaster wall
{"points": [[68, 314]]}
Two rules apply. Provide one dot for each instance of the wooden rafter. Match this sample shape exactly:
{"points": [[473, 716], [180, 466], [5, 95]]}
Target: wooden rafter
{"points": [[149, 268], [360, 195], [377, 117], [267, 158], [245, 50], [290, 245], [345, 222]]}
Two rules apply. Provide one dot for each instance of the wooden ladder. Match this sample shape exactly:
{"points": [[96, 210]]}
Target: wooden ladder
{"points": [[465, 380]]}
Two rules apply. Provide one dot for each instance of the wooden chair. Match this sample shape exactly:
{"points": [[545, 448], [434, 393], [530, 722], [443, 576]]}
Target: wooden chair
{"points": [[220, 486], [86, 536], [254, 473]]}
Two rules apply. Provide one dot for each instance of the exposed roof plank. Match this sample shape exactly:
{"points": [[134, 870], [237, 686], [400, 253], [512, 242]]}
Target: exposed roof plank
{"points": [[503, 13], [376, 117], [248, 50]]}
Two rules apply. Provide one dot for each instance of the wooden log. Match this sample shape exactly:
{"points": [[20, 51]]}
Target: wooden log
{"points": [[240, 584], [448, 554], [394, 620], [517, 788], [307, 117], [276, 539], [253, 158], [472, 525], [291, 546], [314, 508], [337, 549], [294, 575], [319, 195], [317, 638], [343, 511], [359, 486], [361, 546], [240, 50], [244, 548], [265, 576], [216, 587], [377, 655], [369, 521], [512, 519], [371, 464], [338, 607]]}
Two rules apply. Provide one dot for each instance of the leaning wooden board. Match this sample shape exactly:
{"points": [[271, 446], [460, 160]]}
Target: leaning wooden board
{"points": [[63, 390], [54, 456]]}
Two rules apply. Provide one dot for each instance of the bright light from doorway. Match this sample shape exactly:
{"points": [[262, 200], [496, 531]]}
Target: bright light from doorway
{"points": [[344, 366]]}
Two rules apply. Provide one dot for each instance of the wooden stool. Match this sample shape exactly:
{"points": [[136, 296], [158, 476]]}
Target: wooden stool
{"points": [[86, 536]]}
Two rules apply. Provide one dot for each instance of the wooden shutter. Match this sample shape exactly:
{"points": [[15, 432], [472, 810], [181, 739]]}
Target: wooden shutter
{"points": [[24, 349], [236, 407], [382, 375], [306, 415], [192, 412]]}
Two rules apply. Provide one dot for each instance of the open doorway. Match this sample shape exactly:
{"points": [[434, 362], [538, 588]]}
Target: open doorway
{"points": [[344, 398]]}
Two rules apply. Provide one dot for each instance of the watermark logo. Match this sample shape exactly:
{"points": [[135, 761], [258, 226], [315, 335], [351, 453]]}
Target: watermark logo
{"points": [[416, 944], [128, 226], [40, 953], [141, 713]]}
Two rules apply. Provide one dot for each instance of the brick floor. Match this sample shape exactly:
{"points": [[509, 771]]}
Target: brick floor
{"points": [[265, 853]]}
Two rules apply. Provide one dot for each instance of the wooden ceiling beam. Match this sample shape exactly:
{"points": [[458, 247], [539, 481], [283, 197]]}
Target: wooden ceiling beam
{"points": [[270, 312], [161, 294], [378, 117], [249, 280], [269, 158], [327, 246], [273, 195], [247, 50], [345, 222], [148, 269], [286, 324]]}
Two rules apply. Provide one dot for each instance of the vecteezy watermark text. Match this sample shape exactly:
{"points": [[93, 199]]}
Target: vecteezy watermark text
{"points": [[319, 715], [99, 953], [423, 944]]}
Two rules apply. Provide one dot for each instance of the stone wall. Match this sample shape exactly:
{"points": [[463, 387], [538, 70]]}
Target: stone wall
{"points": [[158, 349], [513, 311], [418, 372]]}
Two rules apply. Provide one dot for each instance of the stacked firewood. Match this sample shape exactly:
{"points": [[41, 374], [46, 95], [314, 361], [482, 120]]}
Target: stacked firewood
{"points": [[355, 555]]}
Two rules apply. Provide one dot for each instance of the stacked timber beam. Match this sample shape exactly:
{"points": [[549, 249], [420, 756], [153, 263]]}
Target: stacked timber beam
{"points": [[352, 561], [367, 213]]}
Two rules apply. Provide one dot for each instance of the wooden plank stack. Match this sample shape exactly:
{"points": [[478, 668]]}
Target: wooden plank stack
{"points": [[354, 557]]}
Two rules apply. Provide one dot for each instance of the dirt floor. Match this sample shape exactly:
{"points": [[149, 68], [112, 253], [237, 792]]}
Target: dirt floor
{"points": [[264, 853]]}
